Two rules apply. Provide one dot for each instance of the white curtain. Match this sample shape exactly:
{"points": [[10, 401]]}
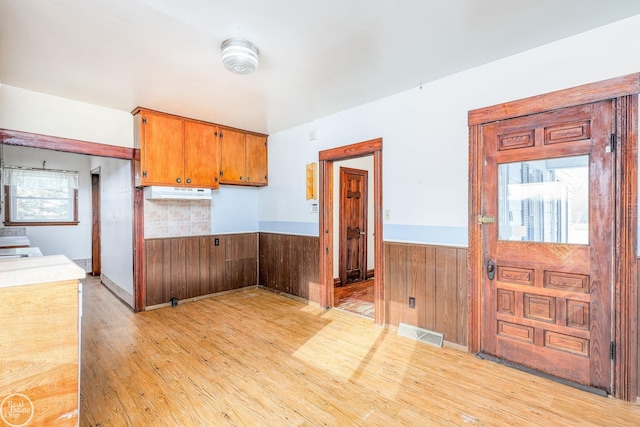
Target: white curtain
{"points": [[39, 178]]}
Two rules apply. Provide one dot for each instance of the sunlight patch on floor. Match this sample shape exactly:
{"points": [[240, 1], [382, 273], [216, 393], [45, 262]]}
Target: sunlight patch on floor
{"points": [[338, 358]]}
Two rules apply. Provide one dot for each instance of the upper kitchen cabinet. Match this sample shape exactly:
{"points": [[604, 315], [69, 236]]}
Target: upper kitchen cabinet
{"points": [[244, 158], [175, 151]]}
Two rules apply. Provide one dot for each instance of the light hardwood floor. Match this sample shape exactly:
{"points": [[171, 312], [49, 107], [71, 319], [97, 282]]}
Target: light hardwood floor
{"points": [[256, 358]]}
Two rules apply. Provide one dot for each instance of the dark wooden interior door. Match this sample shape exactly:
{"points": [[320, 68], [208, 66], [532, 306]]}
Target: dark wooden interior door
{"points": [[353, 225], [548, 276]]}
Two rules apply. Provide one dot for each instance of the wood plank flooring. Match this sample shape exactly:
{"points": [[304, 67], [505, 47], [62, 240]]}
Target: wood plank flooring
{"points": [[257, 358], [355, 298]]}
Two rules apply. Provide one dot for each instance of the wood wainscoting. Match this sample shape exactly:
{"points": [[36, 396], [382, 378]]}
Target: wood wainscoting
{"points": [[189, 267], [436, 276], [289, 264]]}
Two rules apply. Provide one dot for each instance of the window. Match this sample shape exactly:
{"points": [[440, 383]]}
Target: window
{"points": [[40, 196], [545, 200]]}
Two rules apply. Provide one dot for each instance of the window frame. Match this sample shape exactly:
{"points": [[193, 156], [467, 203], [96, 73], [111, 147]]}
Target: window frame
{"points": [[8, 200]]}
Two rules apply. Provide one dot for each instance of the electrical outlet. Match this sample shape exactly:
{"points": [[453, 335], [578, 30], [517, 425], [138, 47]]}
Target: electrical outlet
{"points": [[216, 242], [412, 302]]}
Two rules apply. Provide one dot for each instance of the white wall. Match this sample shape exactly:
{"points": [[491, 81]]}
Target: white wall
{"points": [[116, 223], [74, 241], [234, 209], [34, 112], [425, 134]]}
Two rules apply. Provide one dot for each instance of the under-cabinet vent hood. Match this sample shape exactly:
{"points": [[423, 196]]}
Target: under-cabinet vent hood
{"points": [[176, 193]]}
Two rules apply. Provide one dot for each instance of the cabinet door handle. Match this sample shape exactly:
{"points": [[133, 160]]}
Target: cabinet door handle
{"points": [[248, 178], [188, 180], [178, 180], [241, 179]]}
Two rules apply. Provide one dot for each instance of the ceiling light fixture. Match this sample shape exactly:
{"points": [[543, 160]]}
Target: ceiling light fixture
{"points": [[239, 56]]}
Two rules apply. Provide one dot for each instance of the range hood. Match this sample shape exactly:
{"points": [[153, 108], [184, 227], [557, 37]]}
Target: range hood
{"points": [[176, 193]]}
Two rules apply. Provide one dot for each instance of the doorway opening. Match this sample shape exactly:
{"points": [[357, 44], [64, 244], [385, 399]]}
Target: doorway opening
{"points": [[353, 236], [328, 225], [96, 263]]}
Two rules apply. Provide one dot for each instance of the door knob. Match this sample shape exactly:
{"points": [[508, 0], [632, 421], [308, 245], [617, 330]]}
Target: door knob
{"points": [[363, 232], [491, 269]]}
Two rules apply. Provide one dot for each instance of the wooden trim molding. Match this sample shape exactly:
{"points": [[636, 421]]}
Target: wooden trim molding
{"points": [[585, 94], [623, 91], [34, 140], [626, 289], [139, 274], [326, 159], [474, 253]]}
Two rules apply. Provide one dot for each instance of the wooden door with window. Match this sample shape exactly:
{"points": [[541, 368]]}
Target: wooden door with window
{"points": [[548, 245], [353, 225]]}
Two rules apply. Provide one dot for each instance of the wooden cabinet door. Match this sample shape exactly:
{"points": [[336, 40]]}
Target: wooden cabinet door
{"points": [[201, 155], [162, 149], [232, 149], [256, 159]]}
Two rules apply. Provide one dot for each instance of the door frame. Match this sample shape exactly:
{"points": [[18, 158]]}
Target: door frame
{"points": [[96, 245], [326, 159], [623, 91], [342, 238]]}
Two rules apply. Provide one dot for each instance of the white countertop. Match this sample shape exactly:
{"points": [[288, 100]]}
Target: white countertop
{"points": [[32, 270], [19, 251], [14, 242]]}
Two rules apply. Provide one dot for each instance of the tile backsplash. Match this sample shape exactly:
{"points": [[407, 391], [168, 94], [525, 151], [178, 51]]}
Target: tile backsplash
{"points": [[175, 218]]}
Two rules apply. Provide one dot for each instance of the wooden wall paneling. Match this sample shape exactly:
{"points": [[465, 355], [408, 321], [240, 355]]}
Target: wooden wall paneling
{"points": [[269, 259], [429, 320], [446, 299], [416, 281], [231, 275], [204, 260], [263, 264], [240, 261], [395, 262], [216, 264], [274, 258], [250, 259], [157, 290], [312, 278], [289, 263], [192, 266], [178, 267], [462, 304]]}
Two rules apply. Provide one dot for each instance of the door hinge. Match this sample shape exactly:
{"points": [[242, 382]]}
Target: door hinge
{"points": [[612, 350], [144, 120], [612, 146], [486, 219], [221, 172], [144, 174]]}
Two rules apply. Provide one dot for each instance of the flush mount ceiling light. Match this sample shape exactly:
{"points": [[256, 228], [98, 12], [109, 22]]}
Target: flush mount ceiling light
{"points": [[239, 56]]}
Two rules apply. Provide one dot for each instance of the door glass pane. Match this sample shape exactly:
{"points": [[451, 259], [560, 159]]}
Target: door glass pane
{"points": [[544, 200]]}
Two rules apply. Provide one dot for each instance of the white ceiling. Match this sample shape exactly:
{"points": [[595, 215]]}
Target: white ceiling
{"points": [[316, 57]]}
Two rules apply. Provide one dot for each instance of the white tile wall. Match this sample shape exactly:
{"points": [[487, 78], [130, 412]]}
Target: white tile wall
{"points": [[176, 218]]}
